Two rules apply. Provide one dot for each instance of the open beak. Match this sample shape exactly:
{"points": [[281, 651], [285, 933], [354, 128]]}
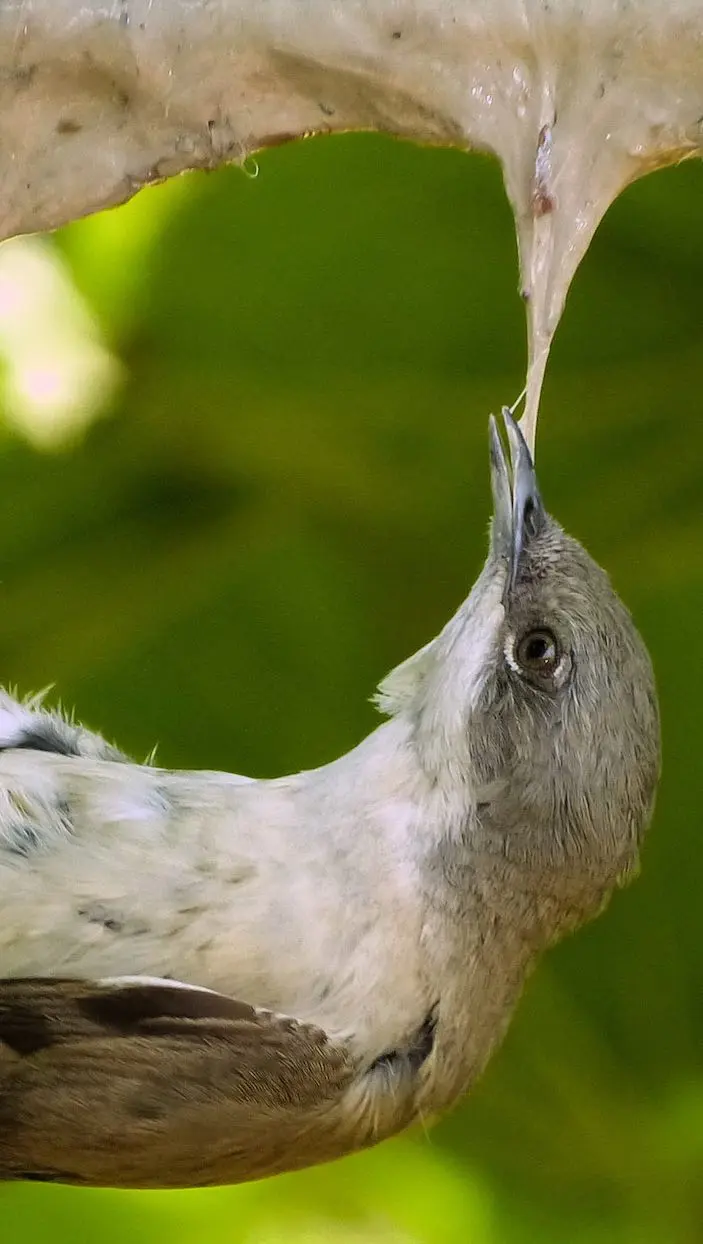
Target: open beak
{"points": [[518, 513]]}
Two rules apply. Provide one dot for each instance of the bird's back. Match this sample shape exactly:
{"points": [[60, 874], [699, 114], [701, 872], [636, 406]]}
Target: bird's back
{"points": [[259, 889]]}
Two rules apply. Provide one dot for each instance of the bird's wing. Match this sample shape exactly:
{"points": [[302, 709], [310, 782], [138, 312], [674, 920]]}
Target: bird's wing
{"points": [[147, 1083]]}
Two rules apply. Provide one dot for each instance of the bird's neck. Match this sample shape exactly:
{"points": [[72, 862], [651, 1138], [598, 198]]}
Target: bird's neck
{"points": [[388, 765], [495, 855]]}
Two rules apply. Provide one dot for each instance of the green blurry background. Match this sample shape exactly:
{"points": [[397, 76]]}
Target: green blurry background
{"points": [[243, 472]]}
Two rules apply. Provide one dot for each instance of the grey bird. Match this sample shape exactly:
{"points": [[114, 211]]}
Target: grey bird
{"points": [[354, 938]]}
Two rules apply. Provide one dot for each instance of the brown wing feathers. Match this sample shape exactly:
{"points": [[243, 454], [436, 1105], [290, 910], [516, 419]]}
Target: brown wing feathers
{"points": [[149, 1085]]}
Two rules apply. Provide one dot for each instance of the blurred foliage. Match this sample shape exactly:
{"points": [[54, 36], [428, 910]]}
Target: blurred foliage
{"points": [[281, 490]]}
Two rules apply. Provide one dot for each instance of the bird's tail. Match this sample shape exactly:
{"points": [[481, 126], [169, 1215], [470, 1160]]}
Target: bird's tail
{"points": [[27, 724]]}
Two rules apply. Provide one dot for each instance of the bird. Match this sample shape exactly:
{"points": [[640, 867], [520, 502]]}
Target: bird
{"points": [[208, 978]]}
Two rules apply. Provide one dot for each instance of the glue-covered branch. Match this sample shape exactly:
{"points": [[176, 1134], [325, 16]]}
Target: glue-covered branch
{"points": [[100, 97]]}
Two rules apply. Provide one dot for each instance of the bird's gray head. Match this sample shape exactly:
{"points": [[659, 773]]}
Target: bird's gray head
{"points": [[537, 700]]}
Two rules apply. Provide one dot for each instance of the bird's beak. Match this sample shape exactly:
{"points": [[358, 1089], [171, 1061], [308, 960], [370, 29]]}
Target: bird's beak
{"points": [[518, 512]]}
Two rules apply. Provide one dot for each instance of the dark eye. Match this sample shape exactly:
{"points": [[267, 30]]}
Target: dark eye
{"points": [[537, 652]]}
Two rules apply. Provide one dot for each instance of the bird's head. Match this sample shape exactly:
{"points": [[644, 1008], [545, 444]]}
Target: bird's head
{"points": [[537, 700]]}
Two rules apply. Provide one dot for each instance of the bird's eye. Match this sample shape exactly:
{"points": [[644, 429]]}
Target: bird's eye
{"points": [[537, 652]]}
